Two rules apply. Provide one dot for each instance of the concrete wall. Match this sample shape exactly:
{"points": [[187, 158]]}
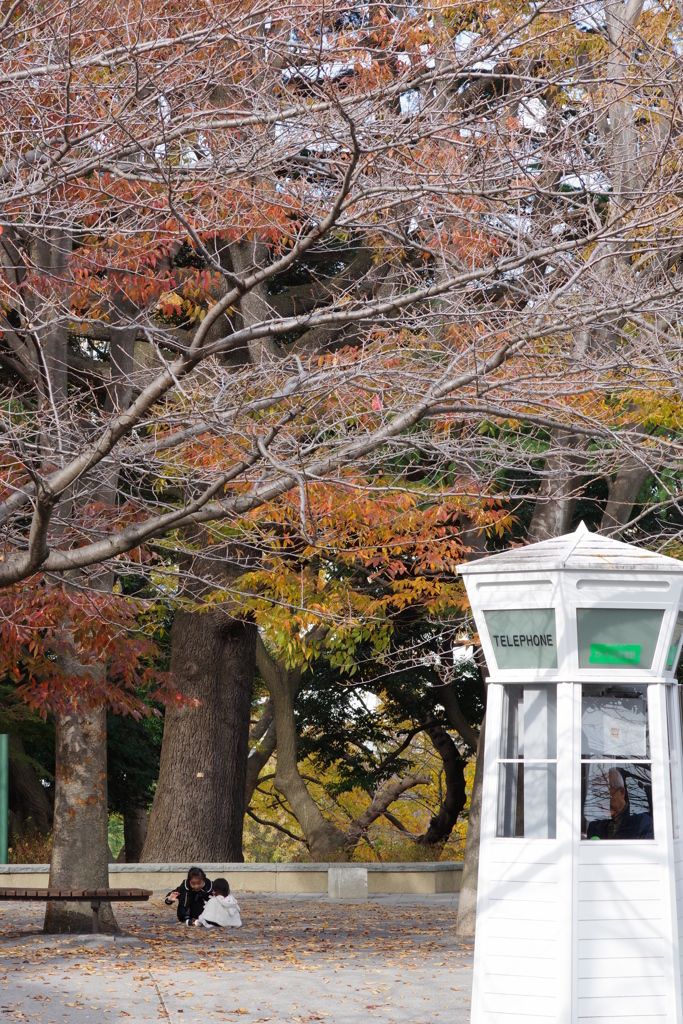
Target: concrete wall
{"points": [[410, 879], [415, 879], [23, 876]]}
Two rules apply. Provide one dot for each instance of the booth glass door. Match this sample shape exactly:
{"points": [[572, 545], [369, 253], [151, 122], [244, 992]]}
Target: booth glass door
{"points": [[527, 773], [616, 768]]}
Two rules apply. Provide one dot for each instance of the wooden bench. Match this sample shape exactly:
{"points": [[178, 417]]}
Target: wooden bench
{"points": [[93, 896]]}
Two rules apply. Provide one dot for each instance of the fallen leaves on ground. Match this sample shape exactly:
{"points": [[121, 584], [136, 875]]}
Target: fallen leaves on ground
{"points": [[397, 948]]}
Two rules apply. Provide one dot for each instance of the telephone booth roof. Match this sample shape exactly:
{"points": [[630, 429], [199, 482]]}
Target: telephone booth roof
{"points": [[577, 607], [582, 550]]}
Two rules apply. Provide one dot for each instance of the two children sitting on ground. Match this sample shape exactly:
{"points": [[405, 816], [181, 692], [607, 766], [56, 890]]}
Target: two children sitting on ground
{"points": [[201, 902]]}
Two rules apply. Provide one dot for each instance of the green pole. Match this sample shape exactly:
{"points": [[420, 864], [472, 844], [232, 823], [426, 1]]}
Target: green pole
{"points": [[4, 795]]}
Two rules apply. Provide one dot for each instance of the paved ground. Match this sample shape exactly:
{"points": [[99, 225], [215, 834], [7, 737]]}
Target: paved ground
{"points": [[294, 961]]}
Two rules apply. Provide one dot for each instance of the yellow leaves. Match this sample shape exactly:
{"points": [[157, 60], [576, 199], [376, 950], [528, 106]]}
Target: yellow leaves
{"points": [[170, 299], [414, 809], [173, 306], [655, 408]]}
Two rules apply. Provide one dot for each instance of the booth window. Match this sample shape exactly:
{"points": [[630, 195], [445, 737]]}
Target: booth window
{"points": [[523, 637], [528, 763], [674, 644], [674, 719], [616, 770], [618, 638]]}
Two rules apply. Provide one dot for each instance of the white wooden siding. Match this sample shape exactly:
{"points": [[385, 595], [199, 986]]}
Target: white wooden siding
{"points": [[520, 949], [678, 874], [676, 775], [622, 954], [523, 948]]}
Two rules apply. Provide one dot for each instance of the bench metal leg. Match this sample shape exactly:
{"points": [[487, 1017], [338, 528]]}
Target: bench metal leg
{"points": [[95, 905]]}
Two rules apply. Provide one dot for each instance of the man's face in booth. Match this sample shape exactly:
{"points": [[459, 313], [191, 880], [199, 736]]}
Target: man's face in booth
{"points": [[617, 793]]}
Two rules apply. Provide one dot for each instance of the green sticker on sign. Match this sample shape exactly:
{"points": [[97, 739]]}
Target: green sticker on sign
{"points": [[615, 654]]}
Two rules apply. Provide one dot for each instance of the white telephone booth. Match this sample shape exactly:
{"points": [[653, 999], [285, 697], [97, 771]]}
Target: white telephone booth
{"points": [[580, 898]]}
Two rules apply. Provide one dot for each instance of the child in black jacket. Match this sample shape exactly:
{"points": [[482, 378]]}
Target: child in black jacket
{"points": [[192, 894]]}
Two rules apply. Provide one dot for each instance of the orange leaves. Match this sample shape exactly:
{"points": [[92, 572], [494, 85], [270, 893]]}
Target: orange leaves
{"points": [[66, 649]]}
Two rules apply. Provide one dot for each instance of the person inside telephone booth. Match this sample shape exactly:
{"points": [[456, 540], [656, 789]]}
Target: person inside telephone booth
{"points": [[621, 824]]}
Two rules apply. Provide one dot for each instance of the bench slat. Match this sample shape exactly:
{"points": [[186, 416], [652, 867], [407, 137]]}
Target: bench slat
{"points": [[75, 894]]}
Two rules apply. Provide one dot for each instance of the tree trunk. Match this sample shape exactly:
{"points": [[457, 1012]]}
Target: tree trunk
{"points": [[246, 256], [556, 498], [80, 850], [323, 838], [472, 537], [198, 807], [121, 356], [259, 755], [28, 801], [443, 823], [134, 833], [456, 719], [467, 906], [623, 494], [565, 465], [51, 256]]}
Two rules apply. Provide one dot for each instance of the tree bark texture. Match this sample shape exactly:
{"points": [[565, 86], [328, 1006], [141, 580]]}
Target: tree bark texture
{"points": [[30, 807], [443, 822], [52, 256], [467, 906], [564, 469], [557, 497], [246, 256], [122, 359], [198, 807], [80, 850], [623, 494], [260, 754], [134, 833]]}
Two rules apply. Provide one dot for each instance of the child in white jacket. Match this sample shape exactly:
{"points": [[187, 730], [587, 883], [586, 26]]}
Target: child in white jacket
{"points": [[221, 911]]}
